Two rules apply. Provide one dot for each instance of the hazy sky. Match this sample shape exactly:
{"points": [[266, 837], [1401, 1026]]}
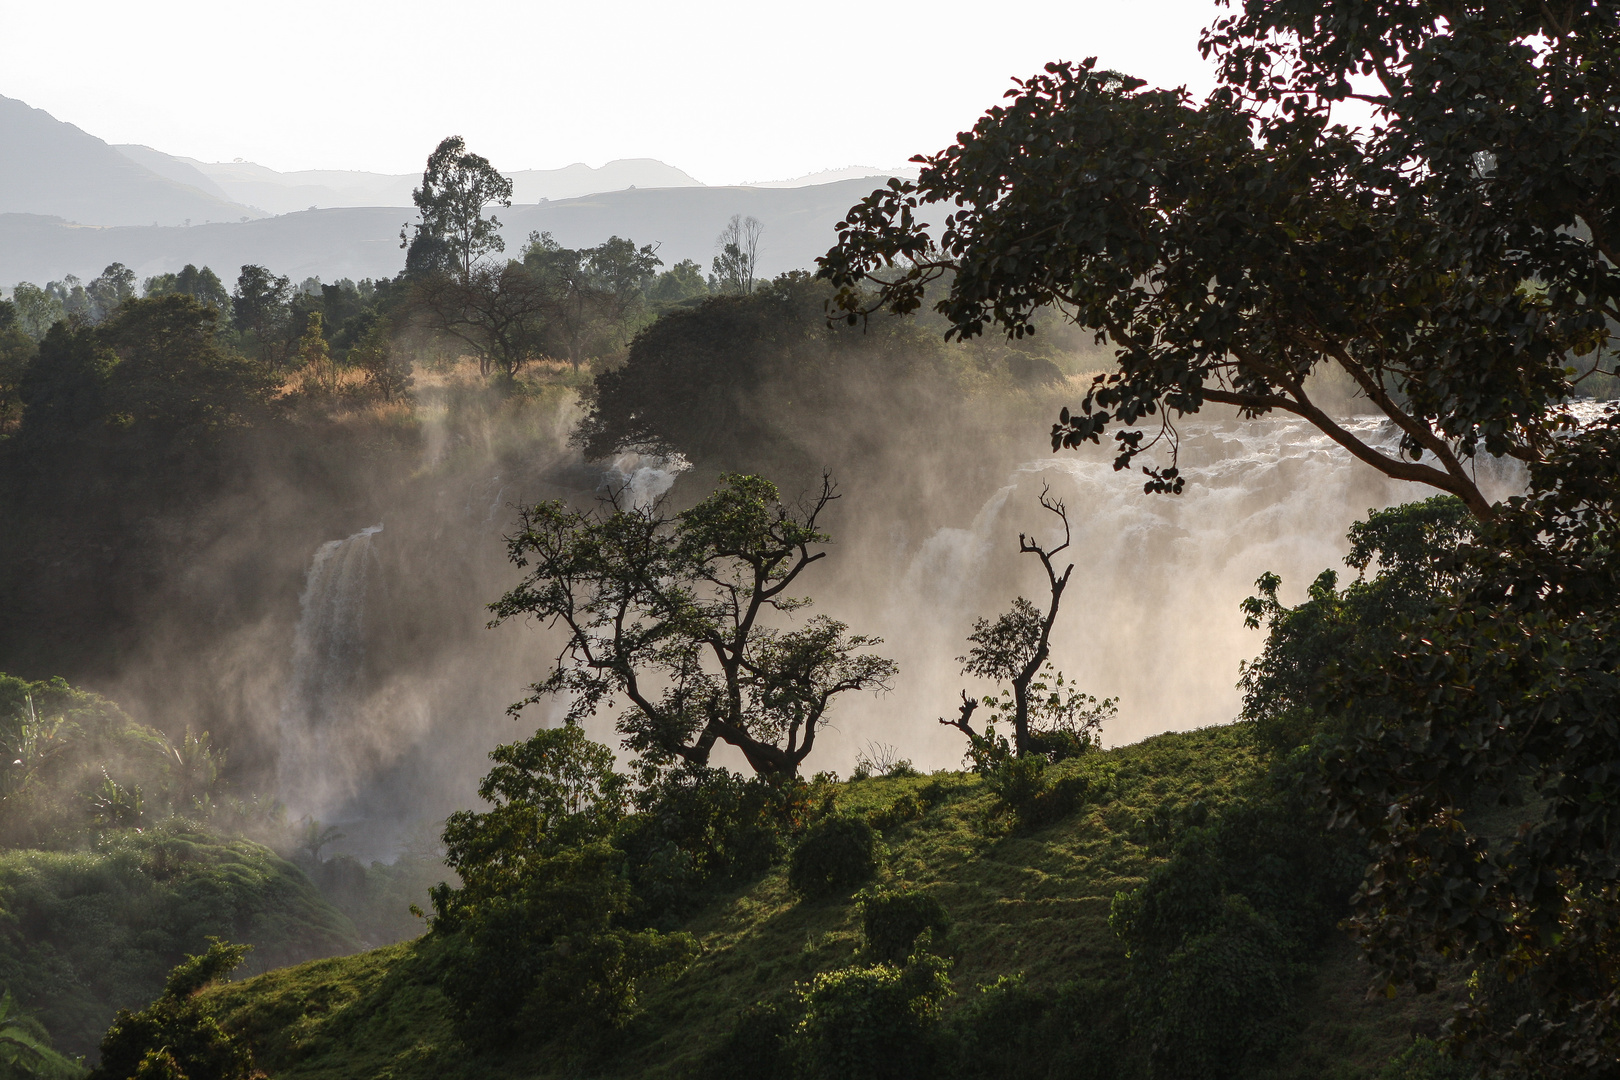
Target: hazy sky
{"points": [[728, 91]]}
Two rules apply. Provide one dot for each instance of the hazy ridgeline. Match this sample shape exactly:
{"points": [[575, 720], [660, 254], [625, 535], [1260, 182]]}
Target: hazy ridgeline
{"points": [[312, 591]]}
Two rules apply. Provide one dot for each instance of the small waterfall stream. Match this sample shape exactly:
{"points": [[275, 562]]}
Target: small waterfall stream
{"points": [[327, 671]]}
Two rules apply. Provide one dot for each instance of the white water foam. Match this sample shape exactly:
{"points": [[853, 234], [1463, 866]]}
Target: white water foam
{"points": [[1151, 614], [327, 670]]}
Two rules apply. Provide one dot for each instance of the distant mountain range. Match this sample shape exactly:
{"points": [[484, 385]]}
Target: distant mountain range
{"points": [[48, 167], [322, 189], [72, 203], [359, 242]]}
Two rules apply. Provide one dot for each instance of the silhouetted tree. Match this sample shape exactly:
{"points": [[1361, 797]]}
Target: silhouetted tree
{"points": [[738, 260], [668, 614], [453, 233], [259, 309], [498, 312], [1013, 647]]}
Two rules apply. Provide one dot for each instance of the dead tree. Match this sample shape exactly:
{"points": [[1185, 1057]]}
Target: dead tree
{"points": [[1013, 647]]}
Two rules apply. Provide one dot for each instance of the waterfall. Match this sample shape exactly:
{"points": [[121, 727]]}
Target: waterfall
{"points": [[327, 667], [1151, 613], [643, 478]]}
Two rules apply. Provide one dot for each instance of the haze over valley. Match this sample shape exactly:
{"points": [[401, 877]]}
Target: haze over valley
{"points": [[70, 203], [518, 559]]}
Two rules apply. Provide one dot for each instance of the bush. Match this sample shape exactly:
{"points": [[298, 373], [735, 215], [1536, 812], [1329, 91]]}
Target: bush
{"points": [[173, 1037], [836, 854], [1424, 1060], [893, 919], [542, 937], [1218, 933], [1025, 788], [757, 1045], [699, 830], [1221, 998], [1008, 1031], [874, 1023], [550, 960], [1017, 783]]}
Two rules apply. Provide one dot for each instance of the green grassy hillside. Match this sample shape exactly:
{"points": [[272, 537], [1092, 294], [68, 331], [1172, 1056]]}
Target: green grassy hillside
{"points": [[1034, 904], [86, 932]]}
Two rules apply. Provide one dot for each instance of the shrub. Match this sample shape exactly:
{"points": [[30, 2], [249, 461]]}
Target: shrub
{"points": [[700, 829], [757, 1045], [1221, 997], [549, 959], [173, 1037], [1424, 1060], [1017, 783], [875, 1023], [1010, 1031], [836, 854], [542, 935], [893, 919], [1217, 934], [1025, 788]]}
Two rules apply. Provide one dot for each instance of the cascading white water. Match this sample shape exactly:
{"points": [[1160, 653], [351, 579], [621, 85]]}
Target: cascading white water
{"points": [[1151, 614], [643, 478], [327, 665]]}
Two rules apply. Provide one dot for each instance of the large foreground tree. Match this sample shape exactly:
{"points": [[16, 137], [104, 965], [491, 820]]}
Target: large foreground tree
{"points": [[682, 620], [1457, 259]]}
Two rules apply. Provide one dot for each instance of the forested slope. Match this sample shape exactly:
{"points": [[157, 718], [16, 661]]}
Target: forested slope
{"points": [[1043, 985]]}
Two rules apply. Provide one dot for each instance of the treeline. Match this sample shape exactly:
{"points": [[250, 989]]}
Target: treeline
{"points": [[569, 304]]}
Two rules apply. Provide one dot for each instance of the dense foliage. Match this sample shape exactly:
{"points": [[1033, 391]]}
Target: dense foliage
{"points": [[1484, 779], [542, 946], [699, 831], [1408, 548], [836, 854], [1448, 258], [892, 919], [743, 383], [174, 1038], [1455, 258], [83, 933]]}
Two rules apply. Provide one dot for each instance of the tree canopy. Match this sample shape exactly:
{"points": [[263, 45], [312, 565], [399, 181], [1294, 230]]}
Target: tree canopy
{"points": [[1455, 258], [453, 232], [671, 615]]}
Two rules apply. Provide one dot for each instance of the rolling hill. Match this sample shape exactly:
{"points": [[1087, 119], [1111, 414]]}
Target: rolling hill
{"points": [[53, 168], [359, 242]]}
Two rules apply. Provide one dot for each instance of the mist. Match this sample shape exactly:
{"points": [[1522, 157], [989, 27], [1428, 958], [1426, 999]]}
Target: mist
{"points": [[331, 628]]}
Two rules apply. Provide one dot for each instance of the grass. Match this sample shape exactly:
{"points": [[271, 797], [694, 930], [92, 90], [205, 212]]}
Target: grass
{"points": [[85, 933], [1034, 902]]}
